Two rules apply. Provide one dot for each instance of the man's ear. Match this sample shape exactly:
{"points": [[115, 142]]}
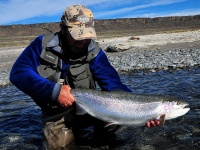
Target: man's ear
{"points": [[61, 25], [62, 28]]}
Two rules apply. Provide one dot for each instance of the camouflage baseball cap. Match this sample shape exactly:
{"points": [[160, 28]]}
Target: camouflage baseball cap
{"points": [[80, 23]]}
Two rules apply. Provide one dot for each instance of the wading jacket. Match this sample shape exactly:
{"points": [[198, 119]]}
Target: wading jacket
{"points": [[32, 74]]}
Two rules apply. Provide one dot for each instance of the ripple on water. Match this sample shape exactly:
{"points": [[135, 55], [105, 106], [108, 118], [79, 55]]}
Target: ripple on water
{"points": [[20, 118]]}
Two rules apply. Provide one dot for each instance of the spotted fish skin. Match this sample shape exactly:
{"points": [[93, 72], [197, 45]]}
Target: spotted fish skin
{"points": [[126, 108]]}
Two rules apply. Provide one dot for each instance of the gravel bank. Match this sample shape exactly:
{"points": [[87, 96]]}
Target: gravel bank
{"points": [[154, 52], [153, 60], [148, 52]]}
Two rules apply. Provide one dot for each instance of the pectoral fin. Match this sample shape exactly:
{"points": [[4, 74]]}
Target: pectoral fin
{"points": [[162, 120]]}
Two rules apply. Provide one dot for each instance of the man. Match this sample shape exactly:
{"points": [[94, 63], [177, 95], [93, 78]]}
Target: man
{"points": [[53, 64]]}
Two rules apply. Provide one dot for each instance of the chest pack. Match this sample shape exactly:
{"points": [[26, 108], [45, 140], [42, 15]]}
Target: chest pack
{"points": [[78, 74]]}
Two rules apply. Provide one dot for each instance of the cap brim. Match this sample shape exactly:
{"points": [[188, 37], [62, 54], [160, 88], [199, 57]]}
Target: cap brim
{"points": [[83, 33]]}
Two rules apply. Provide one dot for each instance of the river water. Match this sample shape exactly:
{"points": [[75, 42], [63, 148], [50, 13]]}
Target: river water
{"points": [[21, 128]]}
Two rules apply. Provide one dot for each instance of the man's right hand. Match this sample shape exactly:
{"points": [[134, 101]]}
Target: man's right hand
{"points": [[65, 99]]}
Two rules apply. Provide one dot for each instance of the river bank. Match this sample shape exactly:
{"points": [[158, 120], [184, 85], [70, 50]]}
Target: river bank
{"points": [[166, 51]]}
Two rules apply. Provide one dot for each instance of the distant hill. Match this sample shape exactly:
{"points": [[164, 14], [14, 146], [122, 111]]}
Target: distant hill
{"points": [[104, 28]]}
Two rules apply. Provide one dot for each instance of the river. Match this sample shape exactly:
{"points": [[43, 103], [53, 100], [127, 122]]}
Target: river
{"points": [[21, 127]]}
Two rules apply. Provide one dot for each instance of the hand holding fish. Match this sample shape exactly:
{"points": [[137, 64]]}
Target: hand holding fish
{"points": [[153, 123], [65, 99]]}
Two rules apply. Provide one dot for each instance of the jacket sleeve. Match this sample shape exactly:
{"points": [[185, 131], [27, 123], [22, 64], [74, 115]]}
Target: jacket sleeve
{"points": [[25, 77], [105, 75]]}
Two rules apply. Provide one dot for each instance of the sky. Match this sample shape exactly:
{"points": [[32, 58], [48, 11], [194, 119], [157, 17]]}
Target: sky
{"points": [[44, 11]]}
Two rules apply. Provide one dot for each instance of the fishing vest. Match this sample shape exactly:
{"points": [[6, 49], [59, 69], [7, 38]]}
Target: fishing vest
{"points": [[78, 74]]}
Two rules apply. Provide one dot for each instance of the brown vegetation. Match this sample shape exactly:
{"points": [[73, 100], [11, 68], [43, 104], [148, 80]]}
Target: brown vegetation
{"points": [[21, 35]]}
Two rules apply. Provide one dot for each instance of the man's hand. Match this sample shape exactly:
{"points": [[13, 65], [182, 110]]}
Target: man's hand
{"points": [[65, 99], [153, 123], [159, 121]]}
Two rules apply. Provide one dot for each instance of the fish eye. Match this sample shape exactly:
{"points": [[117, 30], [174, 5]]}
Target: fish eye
{"points": [[178, 103]]}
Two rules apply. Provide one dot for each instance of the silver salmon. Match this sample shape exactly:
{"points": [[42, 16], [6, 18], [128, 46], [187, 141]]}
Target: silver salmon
{"points": [[125, 108]]}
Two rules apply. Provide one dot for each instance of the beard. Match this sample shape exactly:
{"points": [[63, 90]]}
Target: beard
{"points": [[76, 51]]}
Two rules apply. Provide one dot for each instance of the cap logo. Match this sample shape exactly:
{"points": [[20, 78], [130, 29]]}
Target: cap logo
{"points": [[83, 19]]}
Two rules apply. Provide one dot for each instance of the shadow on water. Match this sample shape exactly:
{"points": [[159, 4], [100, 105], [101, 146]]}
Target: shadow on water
{"points": [[21, 128]]}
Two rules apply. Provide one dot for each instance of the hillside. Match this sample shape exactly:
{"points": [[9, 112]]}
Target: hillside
{"points": [[21, 35]]}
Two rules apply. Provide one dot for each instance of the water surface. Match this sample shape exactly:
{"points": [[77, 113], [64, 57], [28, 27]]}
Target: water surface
{"points": [[21, 127]]}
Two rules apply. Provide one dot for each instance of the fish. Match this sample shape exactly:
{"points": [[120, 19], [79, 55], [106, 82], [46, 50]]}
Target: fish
{"points": [[127, 108]]}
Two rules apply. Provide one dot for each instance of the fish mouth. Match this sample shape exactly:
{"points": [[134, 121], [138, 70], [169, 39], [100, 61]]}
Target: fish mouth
{"points": [[182, 110], [186, 107]]}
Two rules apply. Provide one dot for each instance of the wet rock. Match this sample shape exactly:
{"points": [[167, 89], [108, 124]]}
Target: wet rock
{"points": [[117, 48]]}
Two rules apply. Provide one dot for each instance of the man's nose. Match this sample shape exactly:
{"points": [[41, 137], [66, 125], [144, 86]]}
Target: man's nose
{"points": [[80, 41]]}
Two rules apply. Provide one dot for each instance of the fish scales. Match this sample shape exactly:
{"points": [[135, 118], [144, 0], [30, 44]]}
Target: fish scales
{"points": [[122, 107]]}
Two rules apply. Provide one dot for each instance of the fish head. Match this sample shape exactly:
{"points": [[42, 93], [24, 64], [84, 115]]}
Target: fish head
{"points": [[174, 109]]}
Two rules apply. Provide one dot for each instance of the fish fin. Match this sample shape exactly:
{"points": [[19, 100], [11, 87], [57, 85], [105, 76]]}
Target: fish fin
{"points": [[162, 120], [109, 124]]}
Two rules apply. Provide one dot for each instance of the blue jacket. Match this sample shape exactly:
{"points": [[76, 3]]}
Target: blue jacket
{"points": [[24, 74]]}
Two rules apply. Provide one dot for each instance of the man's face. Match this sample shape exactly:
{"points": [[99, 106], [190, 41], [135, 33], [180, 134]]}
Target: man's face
{"points": [[72, 43], [73, 49]]}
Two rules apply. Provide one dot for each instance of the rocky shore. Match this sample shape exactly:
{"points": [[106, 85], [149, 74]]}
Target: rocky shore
{"points": [[153, 61], [154, 52], [166, 51]]}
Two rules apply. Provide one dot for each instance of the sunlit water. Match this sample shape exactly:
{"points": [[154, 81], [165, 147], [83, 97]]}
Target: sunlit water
{"points": [[21, 128]]}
